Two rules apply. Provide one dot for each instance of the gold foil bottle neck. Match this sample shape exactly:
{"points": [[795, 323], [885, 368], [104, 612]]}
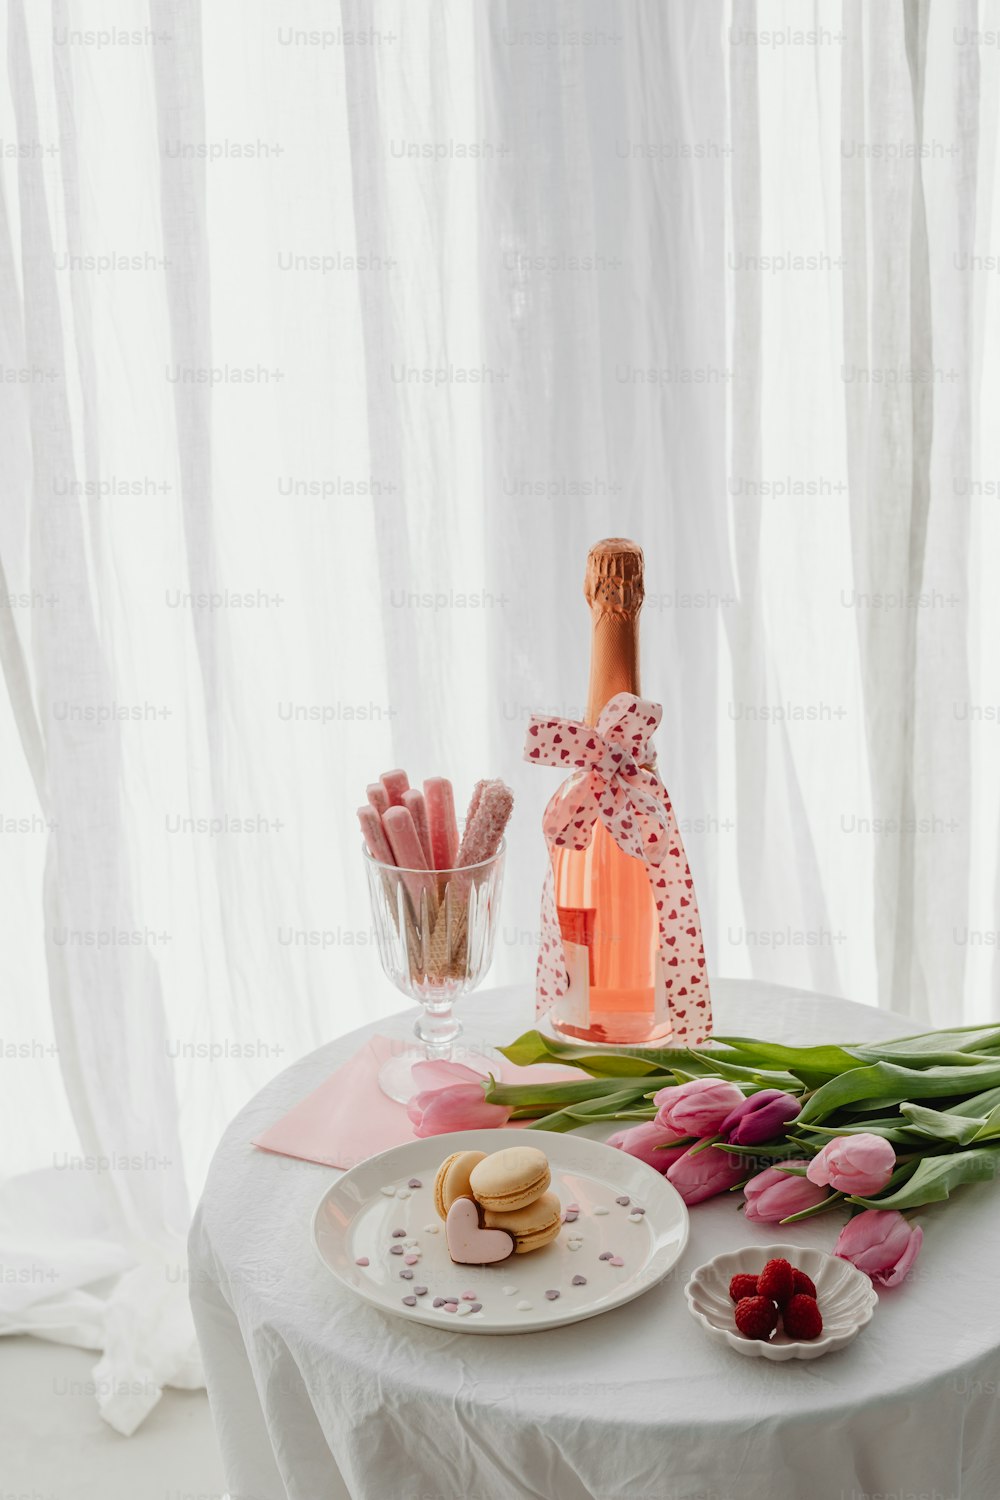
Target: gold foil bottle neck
{"points": [[613, 581], [613, 589]]}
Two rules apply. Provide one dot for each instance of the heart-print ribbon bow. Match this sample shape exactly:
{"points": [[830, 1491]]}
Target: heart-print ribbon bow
{"points": [[620, 788]]}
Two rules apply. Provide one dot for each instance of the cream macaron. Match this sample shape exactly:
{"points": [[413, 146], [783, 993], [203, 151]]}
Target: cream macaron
{"points": [[511, 1179], [531, 1227], [452, 1180]]}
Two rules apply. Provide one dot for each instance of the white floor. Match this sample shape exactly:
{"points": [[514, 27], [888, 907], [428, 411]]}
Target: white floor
{"points": [[54, 1446]]}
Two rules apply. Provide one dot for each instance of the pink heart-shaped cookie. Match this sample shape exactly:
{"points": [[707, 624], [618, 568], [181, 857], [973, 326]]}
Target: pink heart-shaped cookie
{"points": [[468, 1245]]}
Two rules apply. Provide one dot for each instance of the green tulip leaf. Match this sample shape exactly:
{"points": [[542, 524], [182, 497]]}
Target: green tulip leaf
{"points": [[930, 1044], [616, 1106], [703, 1143], [559, 1122], [884, 1083], [536, 1047], [939, 1125], [990, 1128], [979, 1104], [814, 1065], [889, 1127], [555, 1095]]}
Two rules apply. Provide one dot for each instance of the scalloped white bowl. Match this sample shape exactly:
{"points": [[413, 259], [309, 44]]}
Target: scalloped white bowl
{"points": [[846, 1299]]}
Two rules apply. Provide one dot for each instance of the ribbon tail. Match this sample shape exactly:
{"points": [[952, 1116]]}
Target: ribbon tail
{"points": [[681, 957], [551, 976]]}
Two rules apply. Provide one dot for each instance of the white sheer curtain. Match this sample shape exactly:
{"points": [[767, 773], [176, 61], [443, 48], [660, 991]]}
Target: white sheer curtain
{"points": [[331, 337]]}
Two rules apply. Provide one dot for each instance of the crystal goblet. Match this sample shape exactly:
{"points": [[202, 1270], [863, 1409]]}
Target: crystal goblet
{"points": [[435, 931]]}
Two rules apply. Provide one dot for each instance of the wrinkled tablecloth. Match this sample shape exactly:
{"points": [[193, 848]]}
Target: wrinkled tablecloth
{"points": [[318, 1396]]}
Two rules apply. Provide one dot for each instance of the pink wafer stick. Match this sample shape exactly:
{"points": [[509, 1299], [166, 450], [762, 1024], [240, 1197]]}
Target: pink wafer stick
{"points": [[407, 850], [481, 839], [374, 835], [378, 797], [413, 801], [441, 825], [394, 784], [404, 841]]}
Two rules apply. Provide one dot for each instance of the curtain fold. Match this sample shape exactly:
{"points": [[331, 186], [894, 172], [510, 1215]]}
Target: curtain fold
{"points": [[331, 338]]}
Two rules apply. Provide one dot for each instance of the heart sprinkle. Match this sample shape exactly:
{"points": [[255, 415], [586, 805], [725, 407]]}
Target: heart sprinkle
{"points": [[389, 1191], [575, 1245], [570, 1218], [524, 1307], [510, 1291], [414, 1182], [475, 1307], [362, 1260], [635, 1218], [395, 1249], [572, 1208], [432, 1229], [616, 1260], [451, 1307], [410, 1260], [551, 1295], [406, 1275], [464, 1310], [402, 1193], [637, 1210], [409, 1301], [420, 1291], [468, 1296], [579, 1281], [600, 1212], [439, 1302], [605, 1255], [622, 1202], [399, 1234]]}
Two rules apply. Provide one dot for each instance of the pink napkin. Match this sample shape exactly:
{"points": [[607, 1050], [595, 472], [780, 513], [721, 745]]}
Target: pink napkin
{"points": [[348, 1118]]}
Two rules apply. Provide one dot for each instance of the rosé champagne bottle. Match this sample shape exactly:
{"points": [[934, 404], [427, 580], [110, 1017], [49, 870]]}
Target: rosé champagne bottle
{"points": [[607, 913]]}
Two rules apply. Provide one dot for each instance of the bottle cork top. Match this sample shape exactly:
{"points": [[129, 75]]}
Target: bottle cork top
{"points": [[614, 575]]}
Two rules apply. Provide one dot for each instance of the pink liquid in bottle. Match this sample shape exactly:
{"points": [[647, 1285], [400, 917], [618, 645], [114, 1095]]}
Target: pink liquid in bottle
{"points": [[607, 913]]}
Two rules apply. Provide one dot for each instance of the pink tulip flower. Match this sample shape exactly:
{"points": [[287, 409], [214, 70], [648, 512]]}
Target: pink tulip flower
{"points": [[455, 1102], [441, 1073], [774, 1195], [697, 1107], [698, 1175], [881, 1243], [646, 1142], [860, 1164], [760, 1117]]}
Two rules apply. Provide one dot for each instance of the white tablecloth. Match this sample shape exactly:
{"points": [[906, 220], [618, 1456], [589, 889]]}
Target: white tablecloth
{"points": [[317, 1395]]}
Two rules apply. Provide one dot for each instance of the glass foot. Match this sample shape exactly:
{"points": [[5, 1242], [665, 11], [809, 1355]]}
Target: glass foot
{"points": [[395, 1076]]}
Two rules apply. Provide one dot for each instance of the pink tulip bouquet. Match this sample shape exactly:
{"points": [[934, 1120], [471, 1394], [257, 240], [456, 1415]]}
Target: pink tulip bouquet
{"points": [[879, 1130]]}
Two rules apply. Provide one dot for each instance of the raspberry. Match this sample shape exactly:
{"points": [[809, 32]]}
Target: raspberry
{"points": [[775, 1281], [742, 1286], [802, 1317], [756, 1317], [802, 1283]]}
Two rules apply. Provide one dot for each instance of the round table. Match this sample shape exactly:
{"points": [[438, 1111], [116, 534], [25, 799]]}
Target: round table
{"points": [[318, 1395]]}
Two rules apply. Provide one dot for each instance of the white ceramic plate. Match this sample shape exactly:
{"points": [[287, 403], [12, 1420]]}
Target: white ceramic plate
{"points": [[845, 1295], [357, 1215]]}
